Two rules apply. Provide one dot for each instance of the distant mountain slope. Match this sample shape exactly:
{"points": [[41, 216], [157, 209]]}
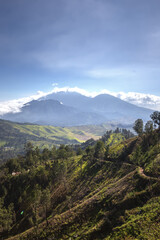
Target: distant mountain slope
{"points": [[52, 112], [72, 99], [103, 103], [13, 136], [73, 109]]}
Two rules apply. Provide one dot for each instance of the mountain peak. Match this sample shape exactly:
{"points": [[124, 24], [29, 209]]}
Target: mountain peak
{"points": [[78, 109]]}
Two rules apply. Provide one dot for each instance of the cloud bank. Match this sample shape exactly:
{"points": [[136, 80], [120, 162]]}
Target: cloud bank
{"points": [[139, 99], [15, 105]]}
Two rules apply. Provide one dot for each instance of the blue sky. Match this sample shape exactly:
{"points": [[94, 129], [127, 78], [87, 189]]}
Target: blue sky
{"points": [[90, 44]]}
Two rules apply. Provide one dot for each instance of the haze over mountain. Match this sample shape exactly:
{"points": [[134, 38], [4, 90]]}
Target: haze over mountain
{"points": [[71, 109]]}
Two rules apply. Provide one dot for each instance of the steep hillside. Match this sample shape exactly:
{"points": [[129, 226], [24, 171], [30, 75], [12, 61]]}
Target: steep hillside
{"points": [[104, 193]]}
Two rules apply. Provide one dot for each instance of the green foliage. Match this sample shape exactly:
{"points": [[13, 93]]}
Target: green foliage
{"points": [[110, 190], [138, 126], [13, 165], [155, 116], [149, 127], [140, 223], [106, 154], [46, 202], [79, 151], [137, 157], [118, 132], [14, 136], [115, 139], [99, 150], [7, 216]]}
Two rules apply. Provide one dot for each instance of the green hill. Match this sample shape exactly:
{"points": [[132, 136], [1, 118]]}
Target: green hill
{"points": [[104, 193], [13, 136]]}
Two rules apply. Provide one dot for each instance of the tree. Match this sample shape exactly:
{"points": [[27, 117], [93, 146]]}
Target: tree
{"points": [[138, 126], [53, 152], [41, 175], [79, 151], [28, 148], [13, 165], [90, 153], [106, 136], [61, 152], [106, 154], [35, 197], [45, 154], [7, 216], [117, 130], [46, 201], [127, 133], [99, 150], [155, 116], [137, 156], [148, 127]]}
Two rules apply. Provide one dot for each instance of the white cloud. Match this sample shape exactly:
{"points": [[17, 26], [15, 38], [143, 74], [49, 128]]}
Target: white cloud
{"points": [[75, 89], [16, 104], [140, 99]]}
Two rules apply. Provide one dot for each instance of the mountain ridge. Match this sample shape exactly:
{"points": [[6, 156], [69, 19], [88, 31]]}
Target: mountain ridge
{"points": [[73, 109]]}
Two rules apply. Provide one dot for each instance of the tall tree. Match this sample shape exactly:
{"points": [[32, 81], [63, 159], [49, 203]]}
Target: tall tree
{"points": [[138, 126], [46, 201], [99, 150], [90, 153], [106, 154], [155, 116], [149, 127], [35, 197], [28, 148]]}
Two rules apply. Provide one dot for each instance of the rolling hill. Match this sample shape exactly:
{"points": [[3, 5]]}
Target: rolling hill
{"points": [[13, 136]]}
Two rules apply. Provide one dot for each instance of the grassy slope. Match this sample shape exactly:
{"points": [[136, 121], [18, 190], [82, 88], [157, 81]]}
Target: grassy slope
{"points": [[48, 134], [15, 135], [112, 199], [91, 131], [12, 131]]}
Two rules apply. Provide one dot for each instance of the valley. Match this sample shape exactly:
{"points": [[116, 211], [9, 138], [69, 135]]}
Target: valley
{"points": [[13, 136]]}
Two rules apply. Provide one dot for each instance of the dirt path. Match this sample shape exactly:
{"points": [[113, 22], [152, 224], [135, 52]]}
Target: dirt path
{"points": [[140, 171]]}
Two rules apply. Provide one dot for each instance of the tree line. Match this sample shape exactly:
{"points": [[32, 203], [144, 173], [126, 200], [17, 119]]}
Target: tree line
{"points": [[140, 128]]}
